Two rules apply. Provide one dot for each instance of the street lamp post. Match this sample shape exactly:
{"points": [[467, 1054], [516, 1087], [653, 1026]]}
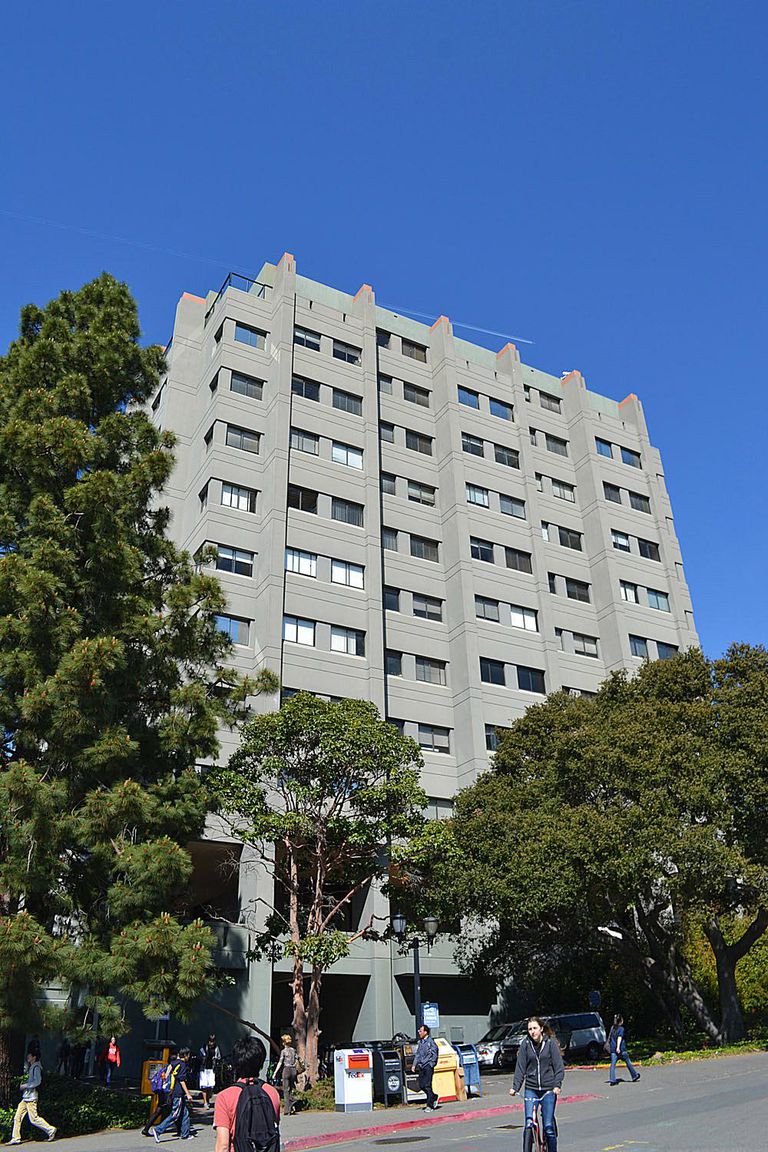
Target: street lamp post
{"points": [[399, 926]]}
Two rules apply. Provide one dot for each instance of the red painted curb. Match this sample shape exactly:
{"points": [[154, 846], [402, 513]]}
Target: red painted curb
{"points": [[321, 1140]]}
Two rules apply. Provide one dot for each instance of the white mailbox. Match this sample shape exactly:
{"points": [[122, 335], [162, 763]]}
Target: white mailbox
{"points": [[353, 1079]]}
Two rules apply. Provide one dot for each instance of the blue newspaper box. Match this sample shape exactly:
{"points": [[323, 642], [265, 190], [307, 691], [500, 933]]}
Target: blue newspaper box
{"points": [[470, 1062]]}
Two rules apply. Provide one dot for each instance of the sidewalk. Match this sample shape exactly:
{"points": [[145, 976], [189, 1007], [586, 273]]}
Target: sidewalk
{"points": [[307, 1130]]}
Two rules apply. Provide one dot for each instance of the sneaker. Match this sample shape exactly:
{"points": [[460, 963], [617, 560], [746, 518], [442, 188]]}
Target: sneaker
{"points": [[635, 1078], [52, 1135], [14, 1141], [153, 1132]]}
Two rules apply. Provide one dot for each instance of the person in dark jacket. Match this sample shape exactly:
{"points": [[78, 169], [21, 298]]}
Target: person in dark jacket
{"points": [[618, 1046], [425, 1062], [541, 1070]]}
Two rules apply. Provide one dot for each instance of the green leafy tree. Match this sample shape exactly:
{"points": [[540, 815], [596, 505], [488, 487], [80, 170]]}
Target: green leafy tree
{"points": [[112, 683], [320, 790], [637, 812]]}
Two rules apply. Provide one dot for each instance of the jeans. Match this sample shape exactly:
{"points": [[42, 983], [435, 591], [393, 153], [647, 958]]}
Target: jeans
{"points": [[110, 1067], [179, 1112], [425, 1083], [615, 1057], [547, 1113]]}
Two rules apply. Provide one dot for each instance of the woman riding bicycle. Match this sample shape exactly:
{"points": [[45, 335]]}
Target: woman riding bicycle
{"points": [[540, 1067]]}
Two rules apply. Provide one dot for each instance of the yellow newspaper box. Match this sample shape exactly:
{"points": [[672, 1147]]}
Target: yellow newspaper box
{"points": [[148, 1069], [444, 1079]]}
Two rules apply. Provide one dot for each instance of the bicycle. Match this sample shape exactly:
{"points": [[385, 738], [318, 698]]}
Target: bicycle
{"points": [[534, 1139]]}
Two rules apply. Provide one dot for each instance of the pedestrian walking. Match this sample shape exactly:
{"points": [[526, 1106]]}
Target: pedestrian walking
{"points": [[249, 1102], [618, 1048], [63, 1054], [179, 1097], [540, 1069], [111, 1060], [288, 1069], [28, 1104], [210, 1060], [424, 1063]]}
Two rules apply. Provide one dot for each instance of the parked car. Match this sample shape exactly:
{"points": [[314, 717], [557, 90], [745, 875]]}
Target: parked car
{"points": [[580, 1035], [489, 1047]]}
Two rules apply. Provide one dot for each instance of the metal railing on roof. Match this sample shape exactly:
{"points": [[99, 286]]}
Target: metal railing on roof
{"points": [[243, 284]]}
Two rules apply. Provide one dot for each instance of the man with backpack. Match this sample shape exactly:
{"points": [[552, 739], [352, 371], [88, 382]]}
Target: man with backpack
{"points": [[246, 1116], [178, 1095]]}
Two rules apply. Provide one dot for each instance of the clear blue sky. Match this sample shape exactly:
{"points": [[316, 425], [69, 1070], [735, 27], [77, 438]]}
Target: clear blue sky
{"points": [[591, 176]]}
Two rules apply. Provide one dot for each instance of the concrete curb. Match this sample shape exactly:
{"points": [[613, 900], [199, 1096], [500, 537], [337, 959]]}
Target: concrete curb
{"points": [[320, 1141]]}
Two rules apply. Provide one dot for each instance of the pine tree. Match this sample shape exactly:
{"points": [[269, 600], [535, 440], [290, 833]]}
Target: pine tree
{"points": [[112, 679]]}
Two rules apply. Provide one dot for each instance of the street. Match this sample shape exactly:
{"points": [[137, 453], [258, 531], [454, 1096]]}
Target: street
{"points": [[706, 1106]]}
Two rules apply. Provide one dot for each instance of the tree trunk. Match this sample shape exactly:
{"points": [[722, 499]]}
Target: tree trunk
{"points": [[11, 1061], [313, 1025], [299, 1009], [727, 957]]}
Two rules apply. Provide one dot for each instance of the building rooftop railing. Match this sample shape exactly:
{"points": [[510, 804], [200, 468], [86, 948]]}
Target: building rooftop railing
{"points": [[243, 284]]}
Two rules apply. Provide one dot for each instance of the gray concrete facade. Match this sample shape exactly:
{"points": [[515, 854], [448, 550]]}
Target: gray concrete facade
{"points": [[406, 517]]}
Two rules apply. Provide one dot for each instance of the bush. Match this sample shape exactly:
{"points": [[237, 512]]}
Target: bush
{"points": [[318, 1098], [76, 1108]]}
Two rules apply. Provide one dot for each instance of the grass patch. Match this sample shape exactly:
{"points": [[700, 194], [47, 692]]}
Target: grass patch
{"points": [[76, 1108]]}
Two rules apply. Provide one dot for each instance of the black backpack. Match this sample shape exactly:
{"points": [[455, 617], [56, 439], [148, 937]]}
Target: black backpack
{"points": [[256, 1126]]}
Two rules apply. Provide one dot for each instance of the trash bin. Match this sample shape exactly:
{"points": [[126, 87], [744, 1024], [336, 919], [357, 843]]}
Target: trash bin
{"points": [[388, 1076], [444, 1079], [353, 1079], [470, 1061]]}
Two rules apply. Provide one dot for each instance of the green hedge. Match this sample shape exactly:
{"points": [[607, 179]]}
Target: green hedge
{"points": [[76, 1108]]}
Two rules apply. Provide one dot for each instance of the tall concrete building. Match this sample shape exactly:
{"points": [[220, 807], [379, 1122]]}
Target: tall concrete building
{"points": [[409, 518]]}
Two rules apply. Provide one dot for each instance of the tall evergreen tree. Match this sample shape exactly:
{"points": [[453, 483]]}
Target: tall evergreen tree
{"points": [[112, 681]]}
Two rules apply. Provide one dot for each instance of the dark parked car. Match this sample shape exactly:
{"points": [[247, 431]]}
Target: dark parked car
{"points": [[581, 1035]]}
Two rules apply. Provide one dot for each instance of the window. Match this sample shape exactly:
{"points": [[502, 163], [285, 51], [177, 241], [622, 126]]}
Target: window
{"points": [[242, 438], [530, 680], [539, 481], [433, 738], [346, 352], [556, 445], [385, 384], [427, 607], [559, 636], [472, 444], [399, 725], [246, 335], [511, 506], [203, 497], [551, 403], [639, 502], [570, 539], [533, 436], [347, 402], [659, 600], [424, 549], [638, 646], [347, 512], [649, 550], [612, 493], [519, 560], [237, 629], [417, 442], [306, 338], [304, 499], [545, 531], [477, 495], [620, 540], [235, 560], [302, 563], [382, 338], [487, 609], [298, 631], [305, 441], [628, 592], [208, 438], [391, 599], [389, 539], [584, 645], [347, 454], [350, 641], [234, 496], [577, 590], [415, 351], [564, 491], [492, 671], [481, 549], [388, 484], [387, 432], [468, 397], [666, 651], [393, 663], [309, 389], [430, 671], [246, 386], [342, 572], [501, 409], [421, 493], [415, 395], [552, 578], [604, 448], [524, 618], [631, 458], [492, 737], [527, 393], [508, 456]]}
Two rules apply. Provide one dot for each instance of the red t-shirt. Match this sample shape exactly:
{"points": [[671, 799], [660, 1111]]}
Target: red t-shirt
{"points": [[225, 1108]]}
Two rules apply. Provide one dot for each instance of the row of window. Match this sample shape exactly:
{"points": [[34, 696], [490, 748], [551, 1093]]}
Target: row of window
{"points": [[546, 399], [566, 537], [623, 542], [475, 446], [417, 492], [577, 643], [425, 607], [626, 455], [514, 558], [309, 442], [345, 511], [244, 439], [513, 615], [485, 498], [349, 353], [573, 589], [349, 641], [342, 400], [641, 646], [497, 672], [303, 563], [637, 500], [408, 348], [416, 441], [421, 547], [547, 440], [239, 383], [423, 668], [558, 488], [499, 408], [653, 597], [411, 393]]}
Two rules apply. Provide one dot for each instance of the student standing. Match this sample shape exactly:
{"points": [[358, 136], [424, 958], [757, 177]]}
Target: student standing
{"points": [[28, 1105], [249, 1098], [210, 1059], [111, 1059], [288, 1069]]}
